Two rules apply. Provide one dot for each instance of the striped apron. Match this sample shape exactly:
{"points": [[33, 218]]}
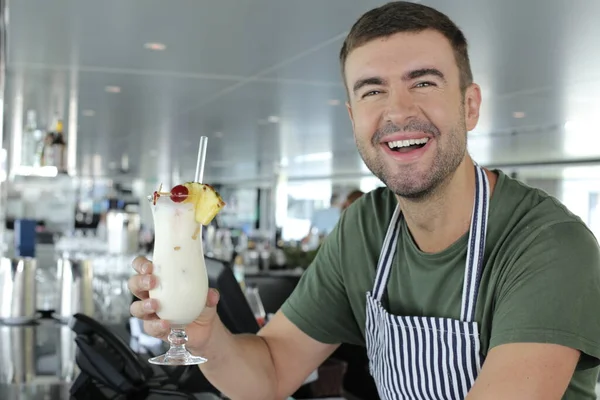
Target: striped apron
{"points": [[427, 358]]}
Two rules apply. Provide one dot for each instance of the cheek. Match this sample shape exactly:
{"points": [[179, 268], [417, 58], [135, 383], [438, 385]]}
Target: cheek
{"points": [[365, 122], [443, 114]]}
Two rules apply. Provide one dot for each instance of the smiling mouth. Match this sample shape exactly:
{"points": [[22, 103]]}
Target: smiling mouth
{"points": [[404, 146]]}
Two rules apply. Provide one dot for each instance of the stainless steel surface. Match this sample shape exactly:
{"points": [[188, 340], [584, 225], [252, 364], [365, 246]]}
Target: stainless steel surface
{"points": [[261, 79], [75, 288], [65, 355], [18, 294], [3, 155], [18, 354], [123, 232], [36, 361], [59, 391]]}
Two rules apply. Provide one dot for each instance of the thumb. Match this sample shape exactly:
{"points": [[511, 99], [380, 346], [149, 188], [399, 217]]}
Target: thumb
{"points": [[212, 299]]}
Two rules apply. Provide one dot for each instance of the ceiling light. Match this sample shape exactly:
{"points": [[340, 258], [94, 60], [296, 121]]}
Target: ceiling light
{"points": [[333, 102], [88, 113], [273, 119], [155, 46], [518, 114], [113, 89]]}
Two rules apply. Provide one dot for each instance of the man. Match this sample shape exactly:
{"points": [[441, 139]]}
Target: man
{"points": [[460, 281]]}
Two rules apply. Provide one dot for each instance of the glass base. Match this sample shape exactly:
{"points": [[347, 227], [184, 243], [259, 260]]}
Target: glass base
{"points": [[177, 353], [184, 358]]}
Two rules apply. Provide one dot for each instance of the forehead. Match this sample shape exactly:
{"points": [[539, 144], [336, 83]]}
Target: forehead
{"points": [[401, 52]]}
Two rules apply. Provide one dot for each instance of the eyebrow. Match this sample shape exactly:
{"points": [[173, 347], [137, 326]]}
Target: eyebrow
{"points": [[419, 73], [366, 82]]}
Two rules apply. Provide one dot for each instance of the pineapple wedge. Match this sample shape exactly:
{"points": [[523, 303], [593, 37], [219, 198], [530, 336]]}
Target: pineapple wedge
{"points": [[207, 202]]}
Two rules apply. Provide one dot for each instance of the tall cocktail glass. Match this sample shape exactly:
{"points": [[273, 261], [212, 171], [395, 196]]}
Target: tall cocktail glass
{"points": [[182, 282]]}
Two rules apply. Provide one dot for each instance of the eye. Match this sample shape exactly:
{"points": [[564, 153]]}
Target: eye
{"points": [[425, 84], [371, 93]]}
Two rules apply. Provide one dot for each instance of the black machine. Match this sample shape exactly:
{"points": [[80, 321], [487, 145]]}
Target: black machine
{"points": [[274, 289], [110, 369], [233, 308]]}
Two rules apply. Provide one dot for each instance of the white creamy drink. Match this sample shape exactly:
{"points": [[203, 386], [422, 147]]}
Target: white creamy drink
{"points": [[182, 282], [181, 279]]}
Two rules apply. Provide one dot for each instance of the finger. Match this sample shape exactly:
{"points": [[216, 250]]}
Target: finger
{"points": [[142, 265], [158, 328], [150, 317], [145, 309], [139, 285], [212, 298]]}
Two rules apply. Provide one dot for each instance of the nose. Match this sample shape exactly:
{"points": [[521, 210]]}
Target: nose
{"points": [[400, 106]]}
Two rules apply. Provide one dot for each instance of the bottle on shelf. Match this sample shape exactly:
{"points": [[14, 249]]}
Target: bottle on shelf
{"points": [[54, 152]]}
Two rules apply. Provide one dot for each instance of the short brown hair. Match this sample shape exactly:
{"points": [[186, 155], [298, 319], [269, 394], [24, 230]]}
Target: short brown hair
{"points": [[404, 16]]}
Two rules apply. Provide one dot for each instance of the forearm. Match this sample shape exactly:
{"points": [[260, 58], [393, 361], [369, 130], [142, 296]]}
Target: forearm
{"points": [[528, 371], [240, 366]]}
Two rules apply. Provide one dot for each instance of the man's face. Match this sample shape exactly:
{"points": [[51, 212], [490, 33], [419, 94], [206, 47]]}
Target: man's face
{"points": [[407, 110]]}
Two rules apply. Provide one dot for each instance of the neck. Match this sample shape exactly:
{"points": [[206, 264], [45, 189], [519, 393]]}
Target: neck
{"points": [[444, 216]]}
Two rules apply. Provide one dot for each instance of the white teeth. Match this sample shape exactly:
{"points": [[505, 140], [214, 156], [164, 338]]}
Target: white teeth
{"points": [[406, 143]]}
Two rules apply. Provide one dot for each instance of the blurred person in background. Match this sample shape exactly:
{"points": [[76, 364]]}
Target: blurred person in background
{"points": [[322, 222], [351, 198]]}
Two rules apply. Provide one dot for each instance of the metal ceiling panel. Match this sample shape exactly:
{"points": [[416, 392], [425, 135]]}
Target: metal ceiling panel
{"points": [[261, 79]]}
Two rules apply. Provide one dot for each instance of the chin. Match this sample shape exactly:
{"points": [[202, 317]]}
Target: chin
{"points": [[412, 192], [412, 184]]}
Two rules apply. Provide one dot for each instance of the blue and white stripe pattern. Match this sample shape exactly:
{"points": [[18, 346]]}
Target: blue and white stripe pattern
{"points": [[426, 358]]}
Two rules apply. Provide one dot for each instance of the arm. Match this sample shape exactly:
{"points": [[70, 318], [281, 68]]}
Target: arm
{"points": [[528, 371], [307, 329], [266, 366], [270, 365], [545, 327]]}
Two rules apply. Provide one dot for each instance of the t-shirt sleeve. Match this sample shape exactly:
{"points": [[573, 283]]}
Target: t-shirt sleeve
{"points": [[319, 305], [551, 293]]}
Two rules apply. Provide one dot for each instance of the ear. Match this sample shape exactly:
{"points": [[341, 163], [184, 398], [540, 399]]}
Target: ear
{"points": [[472, 105]]}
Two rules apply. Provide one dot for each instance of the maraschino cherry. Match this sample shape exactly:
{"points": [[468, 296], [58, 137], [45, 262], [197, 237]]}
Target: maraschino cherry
{"points": [[179, 193]]}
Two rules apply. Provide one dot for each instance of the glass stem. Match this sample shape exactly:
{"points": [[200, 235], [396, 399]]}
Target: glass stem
{"points": [[177, 338]]}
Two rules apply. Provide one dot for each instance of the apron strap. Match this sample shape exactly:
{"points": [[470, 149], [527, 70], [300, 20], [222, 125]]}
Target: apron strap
{"points": [[475, 250], [476, 247], [386, 257]]}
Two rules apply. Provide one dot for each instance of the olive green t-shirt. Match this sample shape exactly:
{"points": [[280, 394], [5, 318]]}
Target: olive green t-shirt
{"points": [[540, 280]]}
